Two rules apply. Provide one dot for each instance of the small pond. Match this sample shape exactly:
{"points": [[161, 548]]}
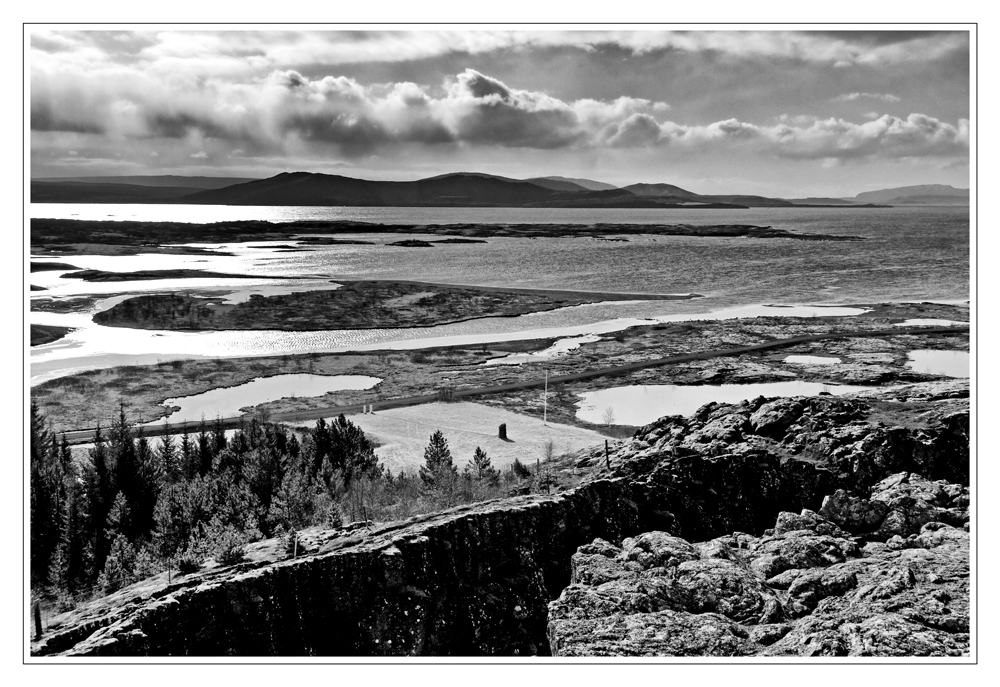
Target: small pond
{"points": [[930, 323], [944, 363], [640, 405], [226, 402], [558, 348]]}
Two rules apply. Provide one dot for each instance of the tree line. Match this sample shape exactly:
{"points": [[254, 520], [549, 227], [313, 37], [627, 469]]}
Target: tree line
{"points": [[131, 507]]}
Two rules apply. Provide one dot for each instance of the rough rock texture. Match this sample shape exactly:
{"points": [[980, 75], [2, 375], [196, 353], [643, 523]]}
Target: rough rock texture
{"points": [[734, 467], [805, 588], [777, 568], [474, 580]]}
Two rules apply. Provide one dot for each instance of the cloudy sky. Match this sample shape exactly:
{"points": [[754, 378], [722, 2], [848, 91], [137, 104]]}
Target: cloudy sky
{"points": [[775, 113]]}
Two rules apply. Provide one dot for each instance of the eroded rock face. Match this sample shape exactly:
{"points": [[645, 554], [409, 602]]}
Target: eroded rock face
{"points": [[806, 587], [746, 482]]}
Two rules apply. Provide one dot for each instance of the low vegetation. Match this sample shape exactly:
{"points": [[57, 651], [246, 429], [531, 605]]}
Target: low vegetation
{"points": [[356, 305], [45, 333]]}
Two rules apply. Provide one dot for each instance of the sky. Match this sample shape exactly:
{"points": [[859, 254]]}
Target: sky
{"points": [[777, 113]]}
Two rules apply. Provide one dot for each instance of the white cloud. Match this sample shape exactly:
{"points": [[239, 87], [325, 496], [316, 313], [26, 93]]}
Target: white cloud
{"points": [[235, 53], [887, 97], [285, 112]]}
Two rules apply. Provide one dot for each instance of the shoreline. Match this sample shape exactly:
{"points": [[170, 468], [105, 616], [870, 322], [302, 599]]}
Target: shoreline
{"points": [[704, 352]]}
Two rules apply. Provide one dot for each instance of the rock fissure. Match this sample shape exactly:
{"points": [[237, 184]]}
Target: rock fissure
{"points": [[770, 527]]}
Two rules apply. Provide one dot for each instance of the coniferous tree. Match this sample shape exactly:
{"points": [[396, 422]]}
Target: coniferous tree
{"points": [[101, 488], [204, 449], [218, 436], [46, 485], [167, 455], [351, 451], [322, 443], [143, 492], [481, 469], [77, 538], [187, 454], [438, 468]]}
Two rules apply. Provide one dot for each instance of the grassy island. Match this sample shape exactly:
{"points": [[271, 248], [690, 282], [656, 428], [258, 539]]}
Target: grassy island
{"points": [[356, 305]]}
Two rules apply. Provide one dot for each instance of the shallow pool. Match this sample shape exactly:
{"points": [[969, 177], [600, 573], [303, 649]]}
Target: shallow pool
{"points": [[560, 347], [640, 405], [226, 402], [944, 363], [812, 360], [930, 323]]}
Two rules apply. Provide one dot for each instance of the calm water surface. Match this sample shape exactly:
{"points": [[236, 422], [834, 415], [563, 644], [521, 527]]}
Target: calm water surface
{"points": [[227, 402], [945, 363], [640, 405], [908, 254]]}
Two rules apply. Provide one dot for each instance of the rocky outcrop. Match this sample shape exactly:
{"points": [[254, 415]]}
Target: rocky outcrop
{"points": [[806, 587], [778, 493], [474, 580]]}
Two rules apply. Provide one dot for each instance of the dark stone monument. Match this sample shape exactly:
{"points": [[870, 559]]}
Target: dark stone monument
{"points": [[503, 431]]}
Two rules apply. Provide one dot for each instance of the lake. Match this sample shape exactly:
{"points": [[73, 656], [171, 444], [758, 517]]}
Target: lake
{"points": [[908, 254]]}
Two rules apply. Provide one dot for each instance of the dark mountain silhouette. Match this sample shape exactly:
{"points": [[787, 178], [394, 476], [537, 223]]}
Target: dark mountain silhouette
{"points": [[304, 188], [461, 189], [557, 184], [675, 194], [924, 194], [79, 192], [661, 190], [820, 201], [159, 180], [587, 184], [448, 190]]}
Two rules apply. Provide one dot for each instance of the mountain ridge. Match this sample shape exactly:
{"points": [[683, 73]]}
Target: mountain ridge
{"points": [[453, 189]]}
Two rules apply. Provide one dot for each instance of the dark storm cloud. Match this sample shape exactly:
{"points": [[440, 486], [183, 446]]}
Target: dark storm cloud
{"points": [[472, 109], [486, 111], [467, 98]]}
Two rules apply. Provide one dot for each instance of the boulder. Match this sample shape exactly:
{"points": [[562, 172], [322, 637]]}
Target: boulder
{"points": [[805, 588]]}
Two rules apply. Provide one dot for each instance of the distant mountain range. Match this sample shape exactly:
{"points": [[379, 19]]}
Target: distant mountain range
{"points": [[446, 190], [927, 194]]}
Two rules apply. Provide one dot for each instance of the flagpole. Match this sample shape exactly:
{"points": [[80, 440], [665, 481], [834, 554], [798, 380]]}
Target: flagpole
{"points": [[545, 402]]}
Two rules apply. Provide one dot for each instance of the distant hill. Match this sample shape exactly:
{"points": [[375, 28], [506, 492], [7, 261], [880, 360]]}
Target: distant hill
{"points": [[926, 194], [304, 188], [962, 201], [588, 184], [671, 193], [162, 180], [661, 190], [77, 192], [820, 201], [557, 184]]}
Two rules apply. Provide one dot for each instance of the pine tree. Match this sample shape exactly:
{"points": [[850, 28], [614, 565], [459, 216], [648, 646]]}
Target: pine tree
{"points": [[481, 469], [438, 468], [77, 538], [187, 455], [142, 495], [322, 442], [351, 451], [218, 436], [101, 488], [204, 450], [46, 484], [167, 455]]}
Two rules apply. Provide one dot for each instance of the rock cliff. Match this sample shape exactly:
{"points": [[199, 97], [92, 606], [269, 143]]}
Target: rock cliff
{"points": [[478, 579], [806, 587]]}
